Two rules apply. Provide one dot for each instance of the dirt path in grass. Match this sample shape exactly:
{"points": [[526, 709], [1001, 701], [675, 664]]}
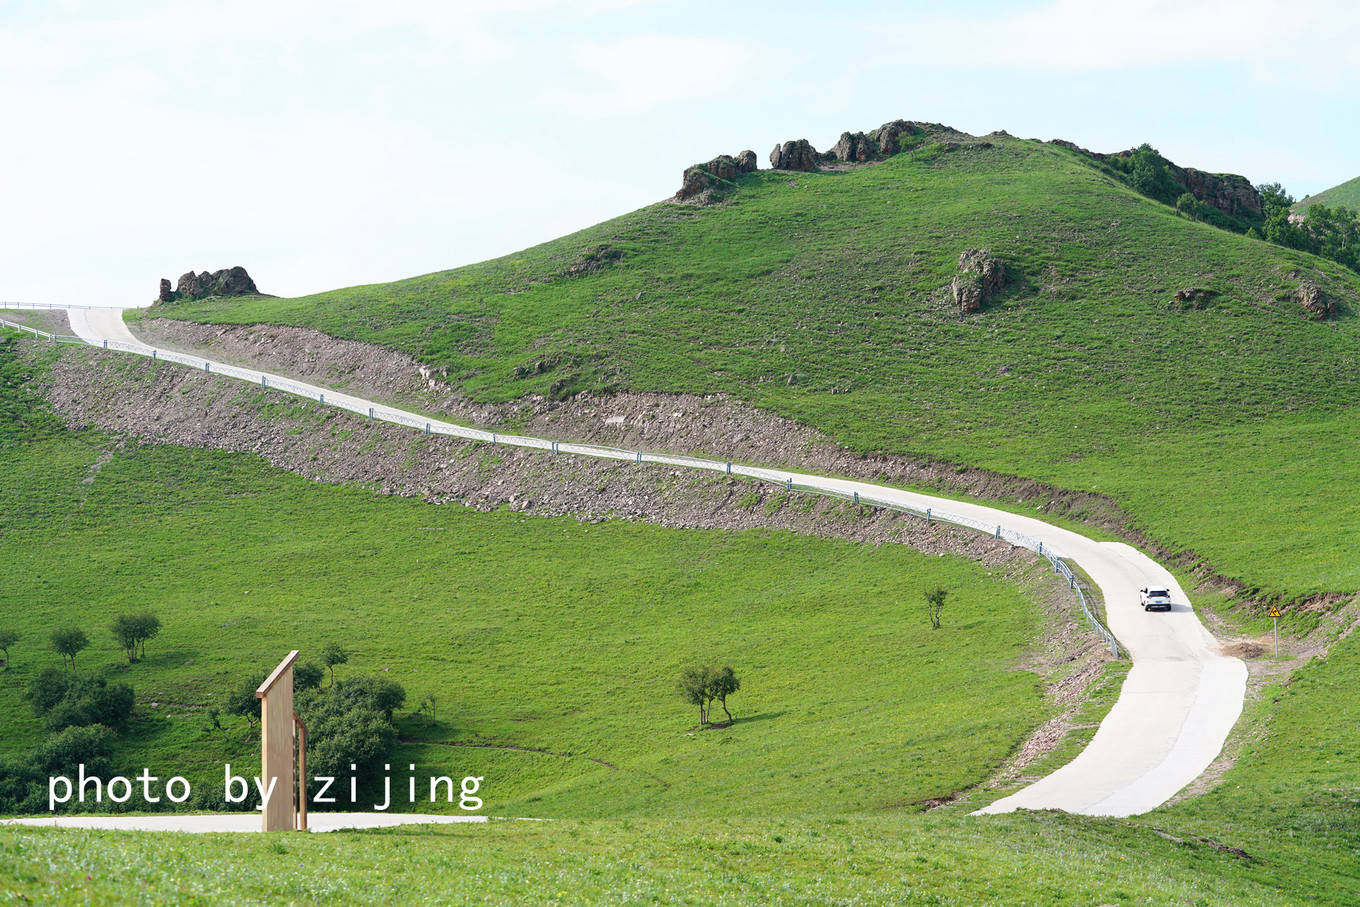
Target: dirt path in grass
{"points": [[1177, 705]]}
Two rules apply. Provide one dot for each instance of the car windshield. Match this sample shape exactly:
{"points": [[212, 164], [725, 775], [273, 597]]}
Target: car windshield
{"points": [[1159, 592]]}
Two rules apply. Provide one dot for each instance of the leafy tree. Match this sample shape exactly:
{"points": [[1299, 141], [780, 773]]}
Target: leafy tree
{"points": [[350, 722], [369, 691], [69, 643], [694, 685], [694, 688], [935, 606], [339, 736], [125, 634], [90, 745], [242, 700], [723, 684], [333, 654], [7, 639], [307, 675], [66, 700], [148, 627], [702, 684], [23, 778], [93, 701], [47, 689]]}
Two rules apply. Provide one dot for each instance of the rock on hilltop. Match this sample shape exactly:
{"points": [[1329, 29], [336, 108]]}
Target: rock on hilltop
{"points": [[706, 181], [227, 282]]}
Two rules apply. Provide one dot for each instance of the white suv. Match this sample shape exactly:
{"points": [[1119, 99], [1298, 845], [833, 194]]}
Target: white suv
{"points": [[1155, 598]]}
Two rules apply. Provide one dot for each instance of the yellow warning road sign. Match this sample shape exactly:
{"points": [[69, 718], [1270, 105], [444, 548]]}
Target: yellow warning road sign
{"points": [[1274, 610]]}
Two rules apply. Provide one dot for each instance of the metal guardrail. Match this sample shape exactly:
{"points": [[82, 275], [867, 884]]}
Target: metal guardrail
{"points": [[49, 306], [45, 335], [438, 427]]}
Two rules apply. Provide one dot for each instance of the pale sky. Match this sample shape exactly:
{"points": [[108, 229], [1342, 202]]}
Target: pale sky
{"points": [[326, 143]]}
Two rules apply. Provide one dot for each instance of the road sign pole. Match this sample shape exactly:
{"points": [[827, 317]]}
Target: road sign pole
{"points": [[1277, 636]]}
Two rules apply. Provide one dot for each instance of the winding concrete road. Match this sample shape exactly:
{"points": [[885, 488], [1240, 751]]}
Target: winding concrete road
{"points": [[1177, 706]]}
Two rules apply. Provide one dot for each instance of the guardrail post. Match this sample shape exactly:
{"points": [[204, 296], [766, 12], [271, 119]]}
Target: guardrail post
{"points": [[857, 497], [493, 438], [639, 456], [729, 467], [206, 367], [321, 398], [927, 515], [788, 484], [427, 428], [106, 344], [1041, 547], [998, 531], [370, 412], [154, 355]]}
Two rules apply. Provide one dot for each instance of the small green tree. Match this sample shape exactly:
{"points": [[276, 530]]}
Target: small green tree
{"points": [[7, 639], [242, 700], [722, 684], [935, 606], [148, 627], [133, 630], [333, 654], [125, 634], [695, 686], [69, 643]]}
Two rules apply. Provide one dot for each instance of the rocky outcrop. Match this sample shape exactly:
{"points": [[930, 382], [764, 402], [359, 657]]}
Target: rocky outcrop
{"points": [[1228, 192], [797, 154], [1232, 194], [227, 282], [889, 139], [1194, 297], [1316, 303], [707, 181], [979, 280]]}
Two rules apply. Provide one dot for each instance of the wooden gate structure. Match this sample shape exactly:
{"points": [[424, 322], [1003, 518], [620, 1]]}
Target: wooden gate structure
{"points": [[282, 736]]}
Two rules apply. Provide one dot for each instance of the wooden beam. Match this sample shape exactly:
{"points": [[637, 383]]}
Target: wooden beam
{"points": [[273, 678]]}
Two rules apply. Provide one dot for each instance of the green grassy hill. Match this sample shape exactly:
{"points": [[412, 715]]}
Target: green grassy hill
{"points": [[824, 297], [1345, 195]]}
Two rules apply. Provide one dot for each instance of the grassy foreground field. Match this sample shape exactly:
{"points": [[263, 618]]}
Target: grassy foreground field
{"points": [[1282, 828], [824, 297]]}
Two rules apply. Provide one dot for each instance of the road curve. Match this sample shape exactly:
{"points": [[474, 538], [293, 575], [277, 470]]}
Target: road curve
{"points": [[1180, 700]]}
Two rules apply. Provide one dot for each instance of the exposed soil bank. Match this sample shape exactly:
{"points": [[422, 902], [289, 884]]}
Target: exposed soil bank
{"points": [[715, 426]]}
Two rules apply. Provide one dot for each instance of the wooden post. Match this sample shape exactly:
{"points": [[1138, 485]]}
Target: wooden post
{"points": [[302, 772], [276, 744]]}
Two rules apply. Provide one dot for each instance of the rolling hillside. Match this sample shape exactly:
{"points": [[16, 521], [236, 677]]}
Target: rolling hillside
{"points": [[1347, 194], [1132, 352]]}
